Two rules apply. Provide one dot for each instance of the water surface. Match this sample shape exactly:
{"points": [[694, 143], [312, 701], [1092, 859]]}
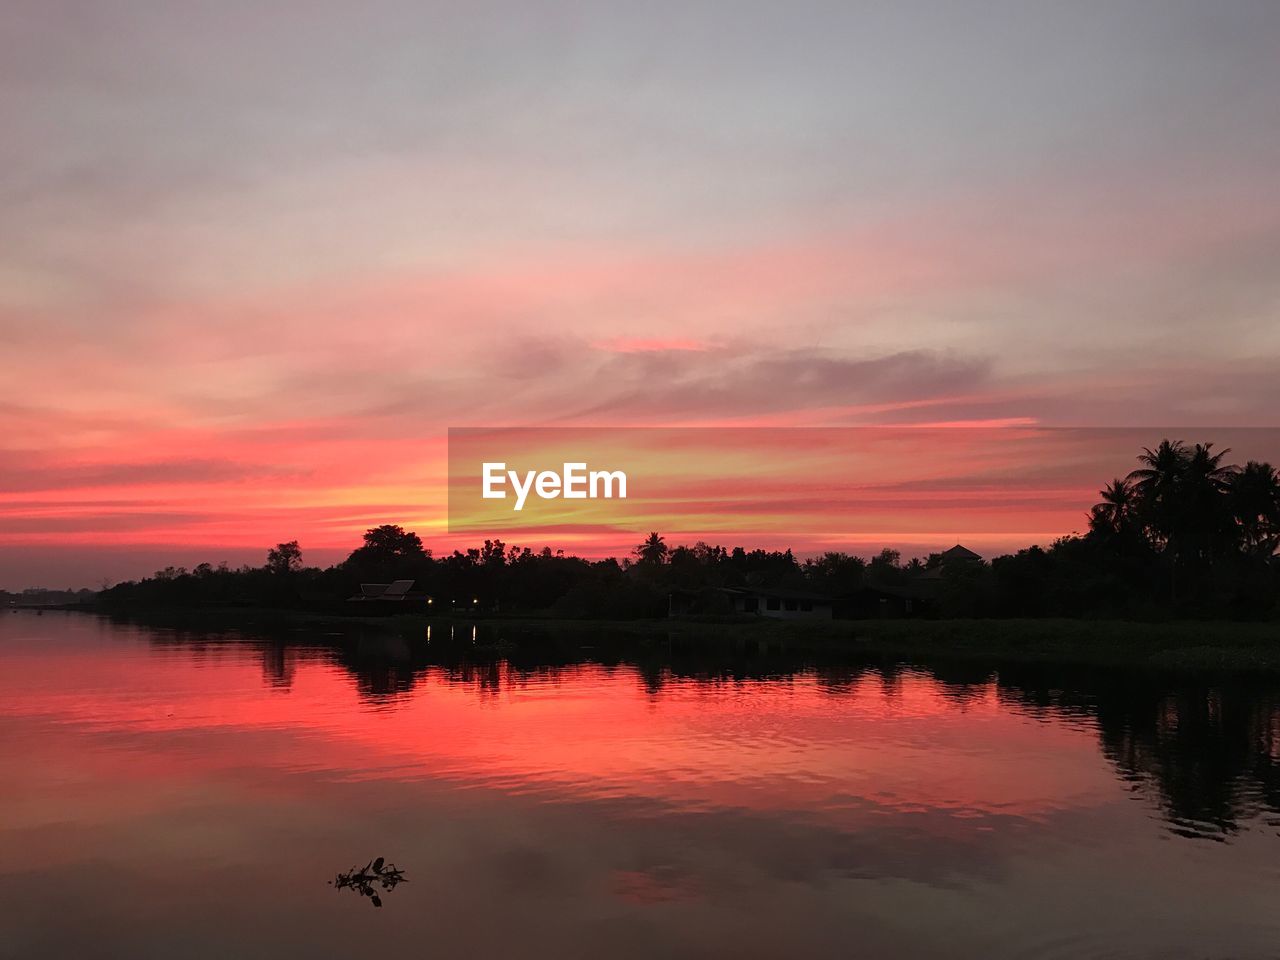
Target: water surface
{"points": [[176, 794]]}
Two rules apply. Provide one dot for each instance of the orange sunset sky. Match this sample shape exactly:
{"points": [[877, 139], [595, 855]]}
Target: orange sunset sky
{"points": [[257, 259]]}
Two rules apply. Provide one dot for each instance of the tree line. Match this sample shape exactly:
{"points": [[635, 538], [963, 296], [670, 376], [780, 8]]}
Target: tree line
{"points": [[1183, 534]]}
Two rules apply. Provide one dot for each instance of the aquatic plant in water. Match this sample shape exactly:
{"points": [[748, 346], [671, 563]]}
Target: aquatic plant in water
{"points": [[364, 880]]}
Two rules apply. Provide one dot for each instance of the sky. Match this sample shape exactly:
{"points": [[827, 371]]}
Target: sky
{"points": [[257, 259]]}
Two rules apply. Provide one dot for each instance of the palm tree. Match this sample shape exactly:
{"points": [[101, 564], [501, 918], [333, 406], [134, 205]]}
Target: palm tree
{"points": [[1162, 468], [1205, 466], [1255, 507], [1156, 484], [1204, 515], [1115, 514], [653, 550]]}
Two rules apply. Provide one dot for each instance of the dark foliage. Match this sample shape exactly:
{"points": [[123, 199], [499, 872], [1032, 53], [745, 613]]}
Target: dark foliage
{"points": [[368, 879], [1184, 534]]}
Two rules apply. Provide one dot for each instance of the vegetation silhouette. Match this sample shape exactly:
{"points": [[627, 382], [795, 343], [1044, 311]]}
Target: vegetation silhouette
{"points": [[1185, 534], [367, 879], [1208, 748], [285, 557]]}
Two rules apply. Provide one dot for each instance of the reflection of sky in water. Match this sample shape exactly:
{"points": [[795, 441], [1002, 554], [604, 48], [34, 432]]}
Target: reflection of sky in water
{"points": [[193, 798]]}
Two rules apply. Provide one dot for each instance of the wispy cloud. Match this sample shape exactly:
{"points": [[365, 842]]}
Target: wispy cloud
{"points": [[650, 344]]}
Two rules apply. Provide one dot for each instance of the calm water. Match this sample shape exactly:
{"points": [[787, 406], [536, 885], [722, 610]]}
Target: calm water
{"points": [[166, 794]]}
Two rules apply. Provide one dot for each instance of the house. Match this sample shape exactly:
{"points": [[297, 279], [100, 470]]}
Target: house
{"points": [[917, 595], [957, 558], [705, 601], [373, 592], [959, 554], [719, 601], [883, 603], [780, 604]]}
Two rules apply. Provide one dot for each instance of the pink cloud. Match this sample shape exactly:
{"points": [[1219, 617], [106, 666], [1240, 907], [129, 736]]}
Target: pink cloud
{"points": [[650, 344]]}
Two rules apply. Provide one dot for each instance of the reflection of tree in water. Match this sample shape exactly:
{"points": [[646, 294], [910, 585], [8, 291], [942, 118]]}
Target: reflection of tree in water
{"points": [[653, 677], [278, 666], [964, 682], [367, 880], [1212, 750], [486, 678], [383, 664]]}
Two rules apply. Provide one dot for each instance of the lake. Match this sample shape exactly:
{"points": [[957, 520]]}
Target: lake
{"points": [[175, 794]]}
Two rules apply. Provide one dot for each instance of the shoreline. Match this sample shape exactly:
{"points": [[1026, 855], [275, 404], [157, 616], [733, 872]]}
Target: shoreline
{"points": [[1181, 646]]}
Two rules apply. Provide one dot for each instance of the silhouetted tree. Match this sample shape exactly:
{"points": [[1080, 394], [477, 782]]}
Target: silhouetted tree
{"points": [[1204, 515], [393, 541], [282, 558], [653, 550], [1116, 513], [1255, 507], [1184, 519], [1157, 485], [834, 572]]}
